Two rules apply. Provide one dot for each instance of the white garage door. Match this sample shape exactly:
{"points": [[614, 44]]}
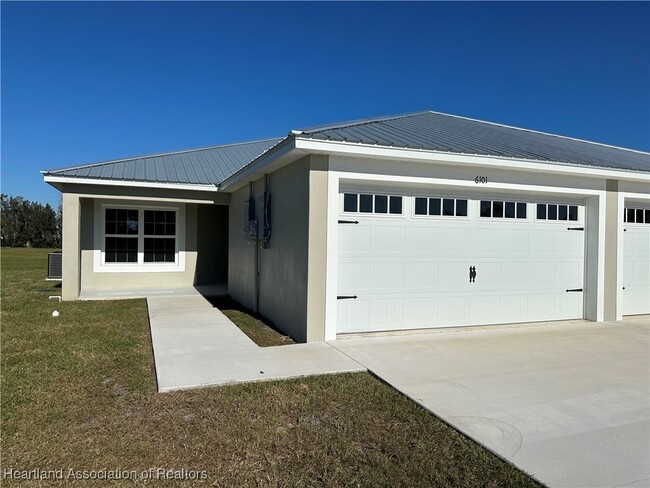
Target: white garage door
{"points": [[636, 261], [408, 262]]}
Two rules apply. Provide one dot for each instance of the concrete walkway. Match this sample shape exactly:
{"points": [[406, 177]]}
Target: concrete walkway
{"points": [[566, 402], [194, 345]]}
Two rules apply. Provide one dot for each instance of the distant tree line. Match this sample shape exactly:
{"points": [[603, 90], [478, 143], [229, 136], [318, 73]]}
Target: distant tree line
{"points": [[29, 224]]}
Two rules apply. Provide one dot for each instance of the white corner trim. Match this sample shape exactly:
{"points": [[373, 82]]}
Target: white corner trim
{"points": [[132, 184], [420, 155], [98, 245], [332, 279]]}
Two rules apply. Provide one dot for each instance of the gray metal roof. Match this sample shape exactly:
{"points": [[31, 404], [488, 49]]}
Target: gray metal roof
{"points": [[428, 130], [207, 166], [449, 133]]}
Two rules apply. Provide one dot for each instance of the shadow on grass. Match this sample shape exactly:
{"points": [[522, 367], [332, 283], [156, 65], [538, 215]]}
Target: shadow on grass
{"points": [[260, 330]]}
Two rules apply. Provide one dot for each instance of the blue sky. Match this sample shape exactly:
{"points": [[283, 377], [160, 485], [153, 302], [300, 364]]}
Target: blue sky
{"points": [[91, 81]]}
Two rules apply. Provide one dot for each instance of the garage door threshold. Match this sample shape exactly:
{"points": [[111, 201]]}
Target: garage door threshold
{"points": [[463, 328]]}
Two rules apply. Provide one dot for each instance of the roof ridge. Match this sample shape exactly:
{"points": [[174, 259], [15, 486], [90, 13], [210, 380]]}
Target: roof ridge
{"points": [[355, 123], [154, 155], [539, 132]]}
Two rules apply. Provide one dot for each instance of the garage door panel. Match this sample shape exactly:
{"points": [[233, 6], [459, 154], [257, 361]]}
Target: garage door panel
{"points": [[453, 310], [516, 242], [387, 314], [636, 269], [485, 241], [387, 275], [354, 239], [354, 316], [421, 276], [420, 311], [421, 240], [454, 241], [543, 242], [514, 274], [354, 276], [414, 271], [388, 239]]}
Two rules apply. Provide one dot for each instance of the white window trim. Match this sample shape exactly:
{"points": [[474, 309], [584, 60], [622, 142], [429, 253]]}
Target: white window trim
{"points": [[528, 204], [441, 216], [557, 221], [635, 223], [99, 264], [373, 213]]}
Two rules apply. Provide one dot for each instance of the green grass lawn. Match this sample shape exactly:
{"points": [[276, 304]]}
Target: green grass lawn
{"points": [[78, 392], [256, 328]]}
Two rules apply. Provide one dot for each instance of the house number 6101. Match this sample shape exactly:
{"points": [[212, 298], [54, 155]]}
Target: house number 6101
{"points": [[480, 180]]}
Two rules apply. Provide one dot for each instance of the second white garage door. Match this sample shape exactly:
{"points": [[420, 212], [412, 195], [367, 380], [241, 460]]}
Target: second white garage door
{"points": [[421, 261], [636, 261]]}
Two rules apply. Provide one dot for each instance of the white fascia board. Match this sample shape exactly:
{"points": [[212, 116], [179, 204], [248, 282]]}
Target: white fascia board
{"points": [[421, 155], [282, 149], [132, 184]]}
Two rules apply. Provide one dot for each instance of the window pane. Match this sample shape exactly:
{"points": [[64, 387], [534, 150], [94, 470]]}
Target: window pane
{"points": [[420, 206], [448, 206], [552, 212], [639, 215], [497, 209], [396, 205], [541, 211], [159, 250], [381, 204], [563, 212], [461, 208], [510, 210], [365, 203], [573, 212], [350, 202], [521, 210], [486, 208], [647, 216], [630, 215], [159, 222], [121, 250], [435, 206], [121, 221]]}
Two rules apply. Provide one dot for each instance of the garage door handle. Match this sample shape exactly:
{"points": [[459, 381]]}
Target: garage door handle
{"points": [[574, 289], [348, 221], [347, 297], [575, 228], [472, 274]]}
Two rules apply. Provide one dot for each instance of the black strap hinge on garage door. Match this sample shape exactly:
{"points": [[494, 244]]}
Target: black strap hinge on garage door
{"points": [[347, 297], [348, 221], [575, 228], [574, 289]]}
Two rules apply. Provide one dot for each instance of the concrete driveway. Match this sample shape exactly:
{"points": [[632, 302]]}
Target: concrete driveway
{"points": [[567, 402]]}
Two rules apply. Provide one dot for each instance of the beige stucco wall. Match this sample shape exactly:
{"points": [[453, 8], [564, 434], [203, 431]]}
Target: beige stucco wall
{"points": [[70, 246], [292, 269], [611, 250], [205, 249], [241, 253]]}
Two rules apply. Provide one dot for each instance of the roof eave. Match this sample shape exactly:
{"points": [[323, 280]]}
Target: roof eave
{"points": [[426, 155]]}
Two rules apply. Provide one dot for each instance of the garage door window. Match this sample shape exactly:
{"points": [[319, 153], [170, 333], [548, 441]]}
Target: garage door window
{"points": [[554, 212], [636, 216], [441, 207], [496, 209], [367, 203]]}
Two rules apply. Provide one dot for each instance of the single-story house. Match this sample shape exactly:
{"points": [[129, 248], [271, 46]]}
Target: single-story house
{"points": [[412, 221]]}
